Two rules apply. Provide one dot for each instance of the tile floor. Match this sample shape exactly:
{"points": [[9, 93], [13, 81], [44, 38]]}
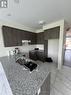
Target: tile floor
{"points": [[60, 80]]}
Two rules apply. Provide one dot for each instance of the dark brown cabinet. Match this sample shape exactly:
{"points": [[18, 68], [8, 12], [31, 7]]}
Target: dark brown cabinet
{"points": [[52, 33], [40, 38], [33, 55], [11, 36], [14, 37], [7, 36], [41, 55], [26, 35], [33, 38], [37, 55]]}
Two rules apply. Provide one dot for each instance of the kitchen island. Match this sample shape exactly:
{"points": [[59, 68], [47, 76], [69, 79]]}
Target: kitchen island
{"points": [[22, 82]]}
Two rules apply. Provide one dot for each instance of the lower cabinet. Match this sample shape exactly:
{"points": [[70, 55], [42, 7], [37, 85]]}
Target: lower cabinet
{"points": [[33, 55], [45, 88], [37, 55], [41, 56]]}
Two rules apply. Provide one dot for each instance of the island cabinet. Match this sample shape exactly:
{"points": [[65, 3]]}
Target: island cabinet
{"points": [[45, 88], [40, 38], [14, 37], [37, 55], [40, 55], [52, 33]]}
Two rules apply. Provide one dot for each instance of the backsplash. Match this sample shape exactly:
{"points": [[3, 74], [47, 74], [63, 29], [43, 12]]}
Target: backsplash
{"points": [[5, 51], [40, 46]]}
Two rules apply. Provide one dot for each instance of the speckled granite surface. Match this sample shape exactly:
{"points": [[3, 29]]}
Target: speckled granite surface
{"points": [[21, 81]]}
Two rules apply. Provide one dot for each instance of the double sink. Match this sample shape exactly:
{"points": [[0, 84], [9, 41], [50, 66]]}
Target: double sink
{"points": [[28, 64]]}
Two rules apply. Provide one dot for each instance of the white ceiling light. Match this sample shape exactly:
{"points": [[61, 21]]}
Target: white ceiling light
{"points": [[41, 22]]}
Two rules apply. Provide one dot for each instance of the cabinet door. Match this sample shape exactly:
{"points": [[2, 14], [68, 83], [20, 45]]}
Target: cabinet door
{"points": [[33, 55], [17, 37], [14, 37], [40, 38], [33, 38], [23, 35], [11, 36], [41, 56], [29, 36], [47, 35], [52, 33], [7, 36]]}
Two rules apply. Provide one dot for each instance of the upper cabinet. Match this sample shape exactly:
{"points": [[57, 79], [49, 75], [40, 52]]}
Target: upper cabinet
{"points": [[33, 38], [26, 35], [52, 33], [40, 38], [14, 37], [11, 36]]}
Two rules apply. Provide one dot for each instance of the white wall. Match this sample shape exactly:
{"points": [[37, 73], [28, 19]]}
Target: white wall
{"points": [[53, 46], [4, 51]]}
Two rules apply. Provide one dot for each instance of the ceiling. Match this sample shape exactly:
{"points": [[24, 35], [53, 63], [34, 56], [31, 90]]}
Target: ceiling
{"points": [[30, 12]]}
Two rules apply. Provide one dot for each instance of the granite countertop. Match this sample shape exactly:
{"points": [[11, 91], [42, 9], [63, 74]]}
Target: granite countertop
{"points": [[21, 81]]}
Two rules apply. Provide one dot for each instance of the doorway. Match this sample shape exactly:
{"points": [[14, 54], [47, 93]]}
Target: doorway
{"points": [[67, 61]]}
